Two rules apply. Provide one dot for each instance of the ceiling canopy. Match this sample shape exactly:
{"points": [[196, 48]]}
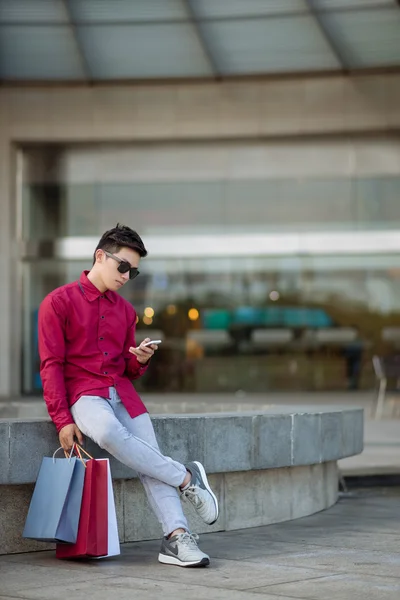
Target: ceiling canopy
{"points": [[106, 40]]}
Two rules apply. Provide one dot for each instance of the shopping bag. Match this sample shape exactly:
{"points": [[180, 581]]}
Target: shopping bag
{"points": [[92, 538], [53, 514], [114, 548]]}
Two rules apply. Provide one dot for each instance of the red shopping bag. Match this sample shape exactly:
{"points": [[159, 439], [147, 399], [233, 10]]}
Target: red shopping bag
{"points": [[92, 540], [113, 537]]}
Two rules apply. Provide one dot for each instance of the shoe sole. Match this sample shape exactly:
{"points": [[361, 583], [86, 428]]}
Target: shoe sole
{"points": [[171, 560], [205, 480]]}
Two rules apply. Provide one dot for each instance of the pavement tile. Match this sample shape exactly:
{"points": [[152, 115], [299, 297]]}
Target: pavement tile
{"points": [[126, 588], [145, 565], [230, 574], [389, 526], [17, 577], [324, 536], [382, 564], [7, 597], [246, 550], [340, 587], [341, 553], [93, 568], [360, 509]]}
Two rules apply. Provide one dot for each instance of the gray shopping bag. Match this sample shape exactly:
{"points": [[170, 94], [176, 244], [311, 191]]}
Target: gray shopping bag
{"points": [[55, 507]]}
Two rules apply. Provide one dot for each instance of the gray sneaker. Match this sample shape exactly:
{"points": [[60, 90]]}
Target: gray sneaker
{"points": [[200, 494], [182, 550]]}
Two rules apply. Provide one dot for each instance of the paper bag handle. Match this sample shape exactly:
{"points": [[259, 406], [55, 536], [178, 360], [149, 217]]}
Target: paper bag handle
{"points": [[65, 453], [78, 450]]}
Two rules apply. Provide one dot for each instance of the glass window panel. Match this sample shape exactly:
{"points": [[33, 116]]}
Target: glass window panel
{"points": [[82, 210], [32, 11], [270, 46], [44, 207], [371, 37], [264, 323], [38, 52], [39, 279], [292, 159], [166, 199], [170, 50], [243, 206], [238, 8], [163, 208], [349, 4], [101, 11], [233, 298], [378, 201], [291, 204]]}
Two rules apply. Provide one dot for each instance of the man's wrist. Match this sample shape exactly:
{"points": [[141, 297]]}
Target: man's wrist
{"points": [[143, 363]]}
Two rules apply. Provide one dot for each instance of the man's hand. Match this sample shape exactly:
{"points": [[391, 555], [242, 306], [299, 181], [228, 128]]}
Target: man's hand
{"points": [[67, 434], [143, 354]]}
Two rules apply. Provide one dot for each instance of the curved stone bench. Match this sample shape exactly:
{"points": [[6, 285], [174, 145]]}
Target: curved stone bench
{"points": [[265, 467]]}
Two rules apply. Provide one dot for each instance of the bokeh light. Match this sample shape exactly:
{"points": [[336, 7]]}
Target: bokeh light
{"points": [[193, 314], [171, 309]]}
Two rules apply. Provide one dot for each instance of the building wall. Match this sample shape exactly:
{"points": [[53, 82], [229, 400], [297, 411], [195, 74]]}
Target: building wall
{"points": [[230, 110]]}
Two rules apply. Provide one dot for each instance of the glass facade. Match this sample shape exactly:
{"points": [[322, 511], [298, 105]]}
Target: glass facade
{"points": [[231, 319]]}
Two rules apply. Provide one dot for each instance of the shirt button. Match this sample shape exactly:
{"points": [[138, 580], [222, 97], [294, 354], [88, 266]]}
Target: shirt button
{"points": [[106, 353], [102, 317], [101, 338], [101, 296], [105, 372]]}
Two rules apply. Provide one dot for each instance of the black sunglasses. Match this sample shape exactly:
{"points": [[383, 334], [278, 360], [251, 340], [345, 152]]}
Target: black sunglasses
{"points": [[124, 266]]}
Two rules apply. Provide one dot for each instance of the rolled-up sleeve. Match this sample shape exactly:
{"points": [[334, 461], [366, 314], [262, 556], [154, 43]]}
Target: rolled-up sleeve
{"points": [[51, 334]]}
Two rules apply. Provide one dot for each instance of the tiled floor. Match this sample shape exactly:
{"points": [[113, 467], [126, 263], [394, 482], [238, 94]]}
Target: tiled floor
{"points": [[349, 552]]}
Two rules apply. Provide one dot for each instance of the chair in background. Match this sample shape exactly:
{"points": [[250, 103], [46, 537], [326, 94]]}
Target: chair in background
{"points": [[385, 368]]}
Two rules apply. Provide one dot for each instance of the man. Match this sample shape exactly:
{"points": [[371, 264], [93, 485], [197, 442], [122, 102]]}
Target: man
{"points": [[88, 359]]}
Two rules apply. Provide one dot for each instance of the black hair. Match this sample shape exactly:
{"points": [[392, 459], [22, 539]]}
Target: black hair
{"points": [[121, 237]]}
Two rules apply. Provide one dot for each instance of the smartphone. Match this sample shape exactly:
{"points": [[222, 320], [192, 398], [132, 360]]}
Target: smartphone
{"points": [[151, 342]]}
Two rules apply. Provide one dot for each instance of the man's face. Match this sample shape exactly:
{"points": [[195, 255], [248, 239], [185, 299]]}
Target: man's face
{"points": [[112, 278]]}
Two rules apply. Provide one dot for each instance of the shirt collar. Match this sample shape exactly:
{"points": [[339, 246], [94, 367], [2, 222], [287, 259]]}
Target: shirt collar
{"points": [[91, 292]]}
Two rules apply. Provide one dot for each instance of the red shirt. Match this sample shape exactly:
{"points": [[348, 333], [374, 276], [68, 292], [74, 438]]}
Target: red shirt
{"points": [[84, 341]]}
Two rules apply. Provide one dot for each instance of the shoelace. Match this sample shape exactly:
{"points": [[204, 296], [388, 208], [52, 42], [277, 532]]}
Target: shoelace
{"points": [[192, 495], [188, 539]]}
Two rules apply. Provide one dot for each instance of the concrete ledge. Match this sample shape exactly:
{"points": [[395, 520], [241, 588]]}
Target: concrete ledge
{"points": [[224, 442], [264, 467]]}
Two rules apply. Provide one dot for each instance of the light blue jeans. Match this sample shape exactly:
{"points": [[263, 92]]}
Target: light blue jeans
{"points": [[133, 442]]}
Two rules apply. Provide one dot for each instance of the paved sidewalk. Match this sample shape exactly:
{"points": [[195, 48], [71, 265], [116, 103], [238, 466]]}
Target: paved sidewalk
{"points": [[381, 455], [349, 552]]}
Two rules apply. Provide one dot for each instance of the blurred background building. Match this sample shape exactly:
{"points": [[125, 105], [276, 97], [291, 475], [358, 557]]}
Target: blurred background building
{"points": [[254, 144]]}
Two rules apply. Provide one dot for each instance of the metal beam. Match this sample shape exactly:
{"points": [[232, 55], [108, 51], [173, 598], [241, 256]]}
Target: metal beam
{"points": [[202, 37], [322, 20], [72, 25]]}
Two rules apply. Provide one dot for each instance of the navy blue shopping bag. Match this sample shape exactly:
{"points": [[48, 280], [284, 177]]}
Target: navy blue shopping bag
{"points": [[55, 507]]}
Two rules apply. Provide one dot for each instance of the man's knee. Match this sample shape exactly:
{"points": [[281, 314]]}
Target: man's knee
{"points": [[106, 434]]}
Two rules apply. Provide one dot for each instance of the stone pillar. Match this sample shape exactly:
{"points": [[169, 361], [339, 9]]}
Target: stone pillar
{"points": [[7, 258]]}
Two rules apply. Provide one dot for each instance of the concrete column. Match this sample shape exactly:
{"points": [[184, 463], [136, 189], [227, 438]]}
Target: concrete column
{"points": [[8, 262]]}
